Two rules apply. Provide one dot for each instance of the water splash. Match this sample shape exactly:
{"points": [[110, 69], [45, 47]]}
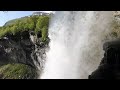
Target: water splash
{"points": [[76, 43]]}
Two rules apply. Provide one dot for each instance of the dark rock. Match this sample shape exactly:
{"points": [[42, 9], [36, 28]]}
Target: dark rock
{"points": [[20, 48]]}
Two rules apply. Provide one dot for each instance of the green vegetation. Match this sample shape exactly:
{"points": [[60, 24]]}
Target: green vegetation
{"points": [[44, 33], [38, 24], [115, 29], [17, 71], [18, 29], [114, 34]]}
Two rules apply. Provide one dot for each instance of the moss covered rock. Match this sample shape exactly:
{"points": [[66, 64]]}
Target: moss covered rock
{"points": [[17, 71]]}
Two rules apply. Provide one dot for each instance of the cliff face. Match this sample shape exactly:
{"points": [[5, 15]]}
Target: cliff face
{"points": [[11, 52], [25, 48], [23, 45]]}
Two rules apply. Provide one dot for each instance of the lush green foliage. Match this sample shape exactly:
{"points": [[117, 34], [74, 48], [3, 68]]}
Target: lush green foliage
{"points": [[44, 33], [17, 71], [42, 26], [39, 24]]}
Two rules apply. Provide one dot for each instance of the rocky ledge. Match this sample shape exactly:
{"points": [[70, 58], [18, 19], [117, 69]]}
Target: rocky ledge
{"points": [[24, 48]]}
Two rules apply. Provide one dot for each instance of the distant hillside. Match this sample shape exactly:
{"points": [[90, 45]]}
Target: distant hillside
{"points": [[41, 13], [10, 22], [22, 18]]}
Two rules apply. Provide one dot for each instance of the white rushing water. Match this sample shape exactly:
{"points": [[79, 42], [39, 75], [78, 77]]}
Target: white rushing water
{"points": [[76, 46]]}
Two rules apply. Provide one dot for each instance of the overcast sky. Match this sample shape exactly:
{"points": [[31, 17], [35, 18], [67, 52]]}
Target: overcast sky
{"points": [[6, 16]]}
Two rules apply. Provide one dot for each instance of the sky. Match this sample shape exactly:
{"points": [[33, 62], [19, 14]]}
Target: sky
{"points": [[6, 16]]}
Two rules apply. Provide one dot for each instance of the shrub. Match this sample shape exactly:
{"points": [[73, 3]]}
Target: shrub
{"points": [[38, 24]]}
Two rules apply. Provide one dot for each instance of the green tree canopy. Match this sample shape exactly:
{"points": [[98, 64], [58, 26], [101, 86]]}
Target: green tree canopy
{"points": [[32, 23]]}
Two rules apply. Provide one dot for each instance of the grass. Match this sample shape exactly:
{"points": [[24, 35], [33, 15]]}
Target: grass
{"points": [[17, 71]]}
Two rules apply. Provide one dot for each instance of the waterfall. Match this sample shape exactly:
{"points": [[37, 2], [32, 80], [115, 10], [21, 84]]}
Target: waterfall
{"points": [[76, 46]]}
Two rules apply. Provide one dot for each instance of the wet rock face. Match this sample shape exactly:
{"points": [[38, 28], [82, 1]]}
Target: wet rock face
{"points": [[38, 54], [11, 52], [25, 48]]}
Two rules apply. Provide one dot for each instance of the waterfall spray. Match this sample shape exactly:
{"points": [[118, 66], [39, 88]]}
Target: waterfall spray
{"points": [[76, 43]]}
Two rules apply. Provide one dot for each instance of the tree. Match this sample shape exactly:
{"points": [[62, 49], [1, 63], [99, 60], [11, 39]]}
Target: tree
{"points": [[13, 29], [42, 22], [44, 33], [39, 24]]}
